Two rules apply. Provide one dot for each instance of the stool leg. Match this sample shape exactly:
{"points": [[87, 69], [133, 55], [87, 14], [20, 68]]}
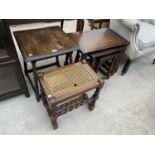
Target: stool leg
{"points": [[45, 102], [54, 116], [91, 102], [54, 122], [52, 113]]}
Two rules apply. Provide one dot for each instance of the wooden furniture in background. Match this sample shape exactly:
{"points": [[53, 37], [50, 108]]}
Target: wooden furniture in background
{"points": [[100, 45], [12, 81], [40, 44], [80, 25], [98, 23], [27, 21], [71, 83]]}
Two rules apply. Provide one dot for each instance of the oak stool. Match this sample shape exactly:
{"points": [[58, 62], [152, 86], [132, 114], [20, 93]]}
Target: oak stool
{"points": [[64, 89]]}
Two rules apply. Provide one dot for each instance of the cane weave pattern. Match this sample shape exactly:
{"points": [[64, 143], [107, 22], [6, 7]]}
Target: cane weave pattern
{"points": [[69, 79]]}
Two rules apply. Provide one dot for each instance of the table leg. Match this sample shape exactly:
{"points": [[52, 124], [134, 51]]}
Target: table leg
{"points": [[92, 24], [66, 59], [111, 68], [83, 58], [25, 68], [77, 56], [62, 23], [57, 61], [35, 80], [100, 25], [97, 65], [70, 58], [80, 25], [117, 64], [27, 94]]}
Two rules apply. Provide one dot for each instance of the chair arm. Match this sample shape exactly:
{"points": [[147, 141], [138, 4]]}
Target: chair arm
{"points": [[131, 24]]}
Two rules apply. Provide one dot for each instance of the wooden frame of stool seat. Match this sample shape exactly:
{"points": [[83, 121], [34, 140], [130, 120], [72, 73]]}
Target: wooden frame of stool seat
{"points": [[57, 106]]}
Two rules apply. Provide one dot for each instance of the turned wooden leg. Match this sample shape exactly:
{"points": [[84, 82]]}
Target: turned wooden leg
{"points": [[92, 105], [35, 80], [92, 101], [100, 25], [80, 25], [92, 24], [45, 101], [54, 116], [25, 68], [153, 61], [111, 68], [62, 23], [126, 66], [66, 59], [57, 61], [116, 64], [51, 111], [54, 122], [77, 58], [97, 65], [70, 58]]}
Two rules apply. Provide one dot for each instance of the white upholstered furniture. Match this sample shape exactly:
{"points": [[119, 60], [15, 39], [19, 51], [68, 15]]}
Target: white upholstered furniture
{"points": [[140, 34]]}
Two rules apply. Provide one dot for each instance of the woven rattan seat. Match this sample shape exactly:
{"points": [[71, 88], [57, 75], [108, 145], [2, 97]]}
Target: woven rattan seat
{"points": [[68, 82], [68, 79]]}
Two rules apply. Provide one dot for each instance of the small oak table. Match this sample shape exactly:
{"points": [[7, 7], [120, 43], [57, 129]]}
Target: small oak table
{"points": [[103, 47], [40, 44]]}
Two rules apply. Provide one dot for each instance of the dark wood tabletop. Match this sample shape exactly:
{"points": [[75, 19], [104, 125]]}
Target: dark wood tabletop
{"points": [[43, 43], [96, 40]]}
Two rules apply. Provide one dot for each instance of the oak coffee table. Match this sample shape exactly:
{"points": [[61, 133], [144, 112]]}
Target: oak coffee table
{"points": [[103, 47], [40, 44]]}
